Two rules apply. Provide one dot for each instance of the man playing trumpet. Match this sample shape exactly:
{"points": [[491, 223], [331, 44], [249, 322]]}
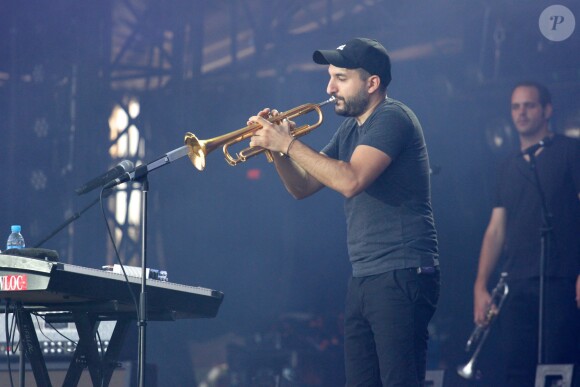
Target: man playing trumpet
{"points": [[378, 161]]}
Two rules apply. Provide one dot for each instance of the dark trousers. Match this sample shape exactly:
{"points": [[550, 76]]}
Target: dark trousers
{"points": [[519, 327], [385, 329]]}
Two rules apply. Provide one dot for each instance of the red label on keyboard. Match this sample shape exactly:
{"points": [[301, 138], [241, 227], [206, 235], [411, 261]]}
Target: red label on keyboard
{"points": [[13, 282]]}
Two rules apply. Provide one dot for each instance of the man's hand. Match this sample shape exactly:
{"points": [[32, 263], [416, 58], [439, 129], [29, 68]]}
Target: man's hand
{"points": [[481, 302], [275, 136]]}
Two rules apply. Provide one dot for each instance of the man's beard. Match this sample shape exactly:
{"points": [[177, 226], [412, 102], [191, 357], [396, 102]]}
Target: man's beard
{"points": [[353, 107]]}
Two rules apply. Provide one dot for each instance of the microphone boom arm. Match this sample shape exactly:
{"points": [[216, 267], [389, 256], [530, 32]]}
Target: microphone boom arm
{"points": [[144, 169], [71, 219]]}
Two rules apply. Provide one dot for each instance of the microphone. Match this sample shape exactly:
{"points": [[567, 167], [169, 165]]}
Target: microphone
{"points": [[531, 150], [127, 176], [124, 166], [138, 173]]}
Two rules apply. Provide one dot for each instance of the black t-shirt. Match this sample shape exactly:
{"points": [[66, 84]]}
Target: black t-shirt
{"points": [[390, 224], [558, 166]]}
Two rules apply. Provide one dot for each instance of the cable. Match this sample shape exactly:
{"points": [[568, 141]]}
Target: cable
{"points": [[137, 308], [117, 255], [43, 318]]}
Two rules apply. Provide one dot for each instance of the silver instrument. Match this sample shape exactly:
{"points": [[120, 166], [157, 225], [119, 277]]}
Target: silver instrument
{"points": [[480, 332]]}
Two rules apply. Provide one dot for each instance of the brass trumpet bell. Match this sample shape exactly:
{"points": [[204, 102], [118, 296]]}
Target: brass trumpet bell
{"points": [[199, 149]]}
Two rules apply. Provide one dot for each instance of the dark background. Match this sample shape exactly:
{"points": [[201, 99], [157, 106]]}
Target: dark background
{"points": [[205, 67]]}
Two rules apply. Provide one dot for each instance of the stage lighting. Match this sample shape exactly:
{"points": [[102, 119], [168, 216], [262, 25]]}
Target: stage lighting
{"points": [[499, 135], [572, 124]]}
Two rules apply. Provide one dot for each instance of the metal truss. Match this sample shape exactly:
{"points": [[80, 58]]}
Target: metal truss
{"points": [[156, 42]]}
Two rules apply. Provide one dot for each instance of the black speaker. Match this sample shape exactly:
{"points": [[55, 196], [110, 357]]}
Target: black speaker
{"points": [[434, 378], [552, 375]]}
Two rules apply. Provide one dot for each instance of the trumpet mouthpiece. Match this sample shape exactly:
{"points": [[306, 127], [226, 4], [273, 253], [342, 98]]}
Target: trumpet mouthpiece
{"points": [[330, 100]]}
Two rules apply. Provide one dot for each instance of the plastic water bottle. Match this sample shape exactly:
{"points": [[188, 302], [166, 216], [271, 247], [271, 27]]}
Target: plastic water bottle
{"points": [[15, 240]]}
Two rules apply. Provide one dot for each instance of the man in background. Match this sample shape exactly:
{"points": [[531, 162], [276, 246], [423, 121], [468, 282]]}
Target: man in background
{"points": [[515, 230]]}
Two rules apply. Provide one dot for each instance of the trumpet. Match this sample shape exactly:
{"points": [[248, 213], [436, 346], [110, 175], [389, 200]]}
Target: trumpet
{"points": [[480, 332], [199, 149]]}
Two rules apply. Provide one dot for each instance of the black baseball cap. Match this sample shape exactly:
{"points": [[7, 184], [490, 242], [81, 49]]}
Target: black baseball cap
{"points": [[362, 53]]}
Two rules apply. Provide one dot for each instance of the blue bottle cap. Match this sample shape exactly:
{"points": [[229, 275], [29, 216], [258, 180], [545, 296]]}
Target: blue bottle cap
{"points": [[16, 228]]}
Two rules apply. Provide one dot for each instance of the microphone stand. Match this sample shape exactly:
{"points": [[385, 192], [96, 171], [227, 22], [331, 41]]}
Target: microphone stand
{"points": [[140, 175], [545, 245], [142, 324]]}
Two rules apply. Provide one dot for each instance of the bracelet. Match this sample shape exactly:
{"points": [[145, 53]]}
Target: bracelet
{"points": [[290, 146]]}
